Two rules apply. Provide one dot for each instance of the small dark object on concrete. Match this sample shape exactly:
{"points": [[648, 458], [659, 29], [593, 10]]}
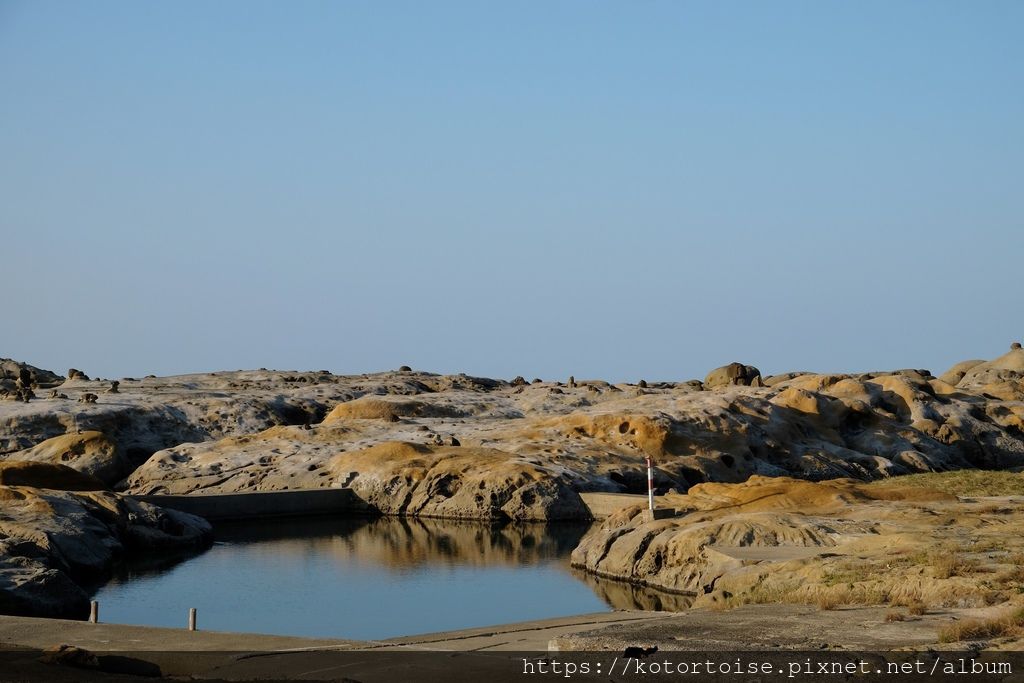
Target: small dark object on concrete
{"points": [[69, 655], [635, 652]]}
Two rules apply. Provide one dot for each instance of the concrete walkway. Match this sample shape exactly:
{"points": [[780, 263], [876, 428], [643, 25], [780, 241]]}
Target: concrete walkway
{"points": [[471, 654], [529, 635], [40, 633]]}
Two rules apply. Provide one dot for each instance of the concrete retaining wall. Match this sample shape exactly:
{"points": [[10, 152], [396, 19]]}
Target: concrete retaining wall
{"points": [[262, 504], [604, 504]]}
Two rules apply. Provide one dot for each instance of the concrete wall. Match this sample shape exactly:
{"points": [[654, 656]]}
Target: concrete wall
{"points": [[261, 504], [604, 504]]}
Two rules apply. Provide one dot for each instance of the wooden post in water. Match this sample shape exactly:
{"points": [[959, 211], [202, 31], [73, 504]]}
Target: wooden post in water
{"points": [[192, 619], [94, 612]]}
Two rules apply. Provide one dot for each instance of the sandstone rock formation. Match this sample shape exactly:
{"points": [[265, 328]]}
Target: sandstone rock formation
{"points": [[595, 437], [51, 542], [734, 374], [263, 430], [11, 371], [957, 372], [419, 444], [401, 478], [90, 452], [1002, 378], [47, 475], [154, 413], [836, 542]]}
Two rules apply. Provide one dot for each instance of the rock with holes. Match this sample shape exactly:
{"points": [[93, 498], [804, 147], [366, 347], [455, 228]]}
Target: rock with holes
{"points": [[54, 543], [90, 452]]}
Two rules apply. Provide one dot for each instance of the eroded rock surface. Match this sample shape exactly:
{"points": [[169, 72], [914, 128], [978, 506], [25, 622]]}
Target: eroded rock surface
{"points": [[90, 452], [525, 448], [53, 542], [452, 445], [775, 540]]}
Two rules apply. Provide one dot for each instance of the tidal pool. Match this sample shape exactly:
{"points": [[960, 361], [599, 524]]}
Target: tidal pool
{"points": [[369, 579]]}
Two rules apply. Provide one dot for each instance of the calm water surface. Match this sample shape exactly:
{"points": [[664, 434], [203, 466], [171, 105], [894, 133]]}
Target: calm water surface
{"points": [[370, 579]]}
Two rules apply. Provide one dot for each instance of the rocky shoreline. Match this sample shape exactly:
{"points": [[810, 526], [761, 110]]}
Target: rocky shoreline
{"points": [[54, 543], [458, 447]]}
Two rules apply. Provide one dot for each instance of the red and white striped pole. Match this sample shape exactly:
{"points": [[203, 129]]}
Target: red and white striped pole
{"points": [[650, 484]]}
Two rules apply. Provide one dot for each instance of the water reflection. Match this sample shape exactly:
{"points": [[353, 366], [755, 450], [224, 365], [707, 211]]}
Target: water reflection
{"points": [[400, 544], [622, 595], [371, 578]]}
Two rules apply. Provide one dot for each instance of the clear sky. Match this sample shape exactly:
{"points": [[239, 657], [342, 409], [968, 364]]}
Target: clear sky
{"points": [[621, 190]]}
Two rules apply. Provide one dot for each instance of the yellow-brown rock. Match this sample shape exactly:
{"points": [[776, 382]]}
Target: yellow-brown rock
{"points": [[89, 452], [47, 476]]}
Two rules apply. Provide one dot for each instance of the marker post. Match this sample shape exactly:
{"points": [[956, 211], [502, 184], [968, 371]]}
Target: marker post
{"points": [[650, 484]]}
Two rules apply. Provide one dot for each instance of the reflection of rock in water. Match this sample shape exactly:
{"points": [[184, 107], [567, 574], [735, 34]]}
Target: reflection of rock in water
{"points": [[405, 543], [401, 544], [622, 595], [410, 542]]}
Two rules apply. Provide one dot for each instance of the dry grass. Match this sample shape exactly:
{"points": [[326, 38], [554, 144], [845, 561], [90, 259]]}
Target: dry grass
{"points": [[963, 482], [895, 615], [944, 561], [1011, 624], [828, 600], [916, 608], [1015, 574], [830, 597], [847, 572], [945, 565], [987, 545], [763, 594]]}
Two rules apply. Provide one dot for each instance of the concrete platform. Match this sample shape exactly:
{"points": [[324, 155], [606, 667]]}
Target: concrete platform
{"points": [[521, 636]]}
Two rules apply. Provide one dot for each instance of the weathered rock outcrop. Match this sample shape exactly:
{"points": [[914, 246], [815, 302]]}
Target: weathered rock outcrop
{"points": [[12, 370], [595, 437], [957, 372], [263, 430], [1002, 378], [89, 452], [52, 542], [733, 374], [47, 475], [149, 414], [399, 478], [835, 542]]}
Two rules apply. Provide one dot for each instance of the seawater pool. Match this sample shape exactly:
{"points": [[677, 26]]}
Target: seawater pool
{"points": [[369, 579]]}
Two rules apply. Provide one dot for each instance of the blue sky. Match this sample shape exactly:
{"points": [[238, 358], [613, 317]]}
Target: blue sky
{"points": [[622, 190]]}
